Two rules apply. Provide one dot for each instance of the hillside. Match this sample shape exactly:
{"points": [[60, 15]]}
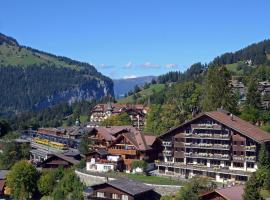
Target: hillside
{"points": [[144, 95], [123, 86], [32, 79]]}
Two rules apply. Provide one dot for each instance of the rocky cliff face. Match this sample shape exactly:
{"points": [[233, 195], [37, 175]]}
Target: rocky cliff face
{"points": [[94, 89], [32, 79]]}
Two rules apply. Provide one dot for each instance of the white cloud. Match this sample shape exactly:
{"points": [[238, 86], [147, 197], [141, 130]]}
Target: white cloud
{"points": [[128, 65], [129, 77], [172, 65], [149, 65]]}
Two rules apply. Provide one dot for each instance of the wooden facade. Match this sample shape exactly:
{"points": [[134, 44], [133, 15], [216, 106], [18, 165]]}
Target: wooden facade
{"points": [[215, 144], [123, 189]]}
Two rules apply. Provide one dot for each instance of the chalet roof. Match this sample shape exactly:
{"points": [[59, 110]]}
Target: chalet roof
{"points": [[229, 193], [62, 157], [137, 139], [150, 139], [240, 125], [233, 122], [108, 133], [130, 186]]}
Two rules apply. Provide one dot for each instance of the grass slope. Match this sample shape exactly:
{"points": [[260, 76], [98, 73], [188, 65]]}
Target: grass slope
{"points": [[144, 94], [17, 55]]}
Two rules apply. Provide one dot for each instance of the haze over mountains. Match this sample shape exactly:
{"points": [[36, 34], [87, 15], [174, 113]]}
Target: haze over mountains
{"points": [[123, 86]]}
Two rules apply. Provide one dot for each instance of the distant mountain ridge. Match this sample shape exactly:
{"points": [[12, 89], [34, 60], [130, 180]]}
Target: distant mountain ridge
{"points": [[123, 86], [33, 79]]}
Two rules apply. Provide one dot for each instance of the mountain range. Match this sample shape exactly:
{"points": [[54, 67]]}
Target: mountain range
{"points": [[31, 79], [123, 86]]}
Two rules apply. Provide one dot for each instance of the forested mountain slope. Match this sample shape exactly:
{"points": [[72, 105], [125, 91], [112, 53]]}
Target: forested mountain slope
{"points": [[31, 79], [207, 87]]}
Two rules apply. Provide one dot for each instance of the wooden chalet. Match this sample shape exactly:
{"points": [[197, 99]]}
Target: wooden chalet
{"points": [[133, 146], [123, 189], [136, 112], [102, 137], [228, 193], [57, 160]]}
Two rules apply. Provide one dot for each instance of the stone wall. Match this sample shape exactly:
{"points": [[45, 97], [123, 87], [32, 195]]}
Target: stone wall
{"points": [[91, 179]]}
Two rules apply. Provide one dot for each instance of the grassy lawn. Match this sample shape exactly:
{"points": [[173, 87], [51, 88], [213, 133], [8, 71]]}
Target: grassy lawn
{"points": [[84, 118], [265, 194], [147, 179], [144, 94], [233, 68], [138, 177], [154, 179]]}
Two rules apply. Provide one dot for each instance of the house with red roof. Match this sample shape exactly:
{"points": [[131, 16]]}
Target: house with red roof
{"points": [[228, 193], [214, 144], [101, 112], [122, 143]]}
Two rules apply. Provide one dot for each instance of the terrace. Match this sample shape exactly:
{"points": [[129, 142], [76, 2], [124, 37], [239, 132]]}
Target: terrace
{"points": [[224, 170]]}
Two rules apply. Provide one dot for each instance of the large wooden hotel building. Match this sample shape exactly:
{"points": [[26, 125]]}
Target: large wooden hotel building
{"points": [[215, 144]]}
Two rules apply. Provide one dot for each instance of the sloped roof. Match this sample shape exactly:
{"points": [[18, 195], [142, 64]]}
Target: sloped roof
{"points": [[137, 139], [63, 157], [150, 139], [130, 186], [233, 122], [231, 193], [240, 125], [108, 133]]}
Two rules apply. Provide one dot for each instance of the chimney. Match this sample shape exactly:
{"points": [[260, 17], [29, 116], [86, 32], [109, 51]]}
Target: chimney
{"points": [[231, 115]]}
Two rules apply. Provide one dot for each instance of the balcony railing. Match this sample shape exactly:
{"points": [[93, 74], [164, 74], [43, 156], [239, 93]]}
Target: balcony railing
{"points": [[167, 153], [208, 136], [179, 154], [167, 144], [208, 146], [122, 151], [251, 148], [206, 126], [178, 144], [244, 158], [204, 168], [207, 156]]}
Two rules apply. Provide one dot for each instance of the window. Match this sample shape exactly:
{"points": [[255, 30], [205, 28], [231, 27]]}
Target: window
{"points": [[250, 165], [124, 197], [107, 167], [101, 194], [115, 196]]}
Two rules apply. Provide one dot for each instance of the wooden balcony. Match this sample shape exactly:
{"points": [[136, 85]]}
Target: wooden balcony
{"points": [[179, 144], [122, 151], [209, 136], [239, 148], [206, 126], [179, 154]]}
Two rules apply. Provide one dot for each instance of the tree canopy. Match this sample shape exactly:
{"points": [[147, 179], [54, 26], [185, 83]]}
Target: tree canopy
{"points": [[22, 180]]}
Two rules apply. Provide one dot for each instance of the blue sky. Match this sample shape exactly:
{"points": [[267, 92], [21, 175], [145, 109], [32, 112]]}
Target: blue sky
{"points": [[136, 37]]}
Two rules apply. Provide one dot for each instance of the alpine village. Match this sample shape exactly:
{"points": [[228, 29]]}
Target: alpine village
{"points": [[202, 133]]}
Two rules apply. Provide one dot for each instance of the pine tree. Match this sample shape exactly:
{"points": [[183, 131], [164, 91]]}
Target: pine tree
{"points": [[252, 187], [253, 95], [218, 92], [263, 158]]}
